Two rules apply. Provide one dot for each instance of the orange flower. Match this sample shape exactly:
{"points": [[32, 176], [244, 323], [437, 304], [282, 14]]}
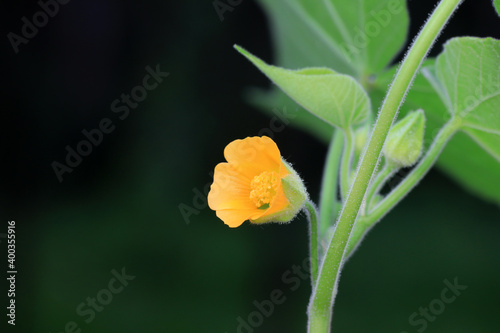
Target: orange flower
{"points": [[255, 184]]}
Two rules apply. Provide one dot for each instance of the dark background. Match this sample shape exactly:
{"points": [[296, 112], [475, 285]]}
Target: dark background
{"points": [[120, 207]]}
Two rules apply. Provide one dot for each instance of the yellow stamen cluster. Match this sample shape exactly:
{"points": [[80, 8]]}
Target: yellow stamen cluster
{"points": [[264, 188]]}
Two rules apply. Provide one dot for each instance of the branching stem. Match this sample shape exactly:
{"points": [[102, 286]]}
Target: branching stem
{"points": [[320, 306]]}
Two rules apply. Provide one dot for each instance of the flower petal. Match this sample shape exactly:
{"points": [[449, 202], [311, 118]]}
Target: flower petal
{"points": [[230, 189], [253, 155], [235, 217]]}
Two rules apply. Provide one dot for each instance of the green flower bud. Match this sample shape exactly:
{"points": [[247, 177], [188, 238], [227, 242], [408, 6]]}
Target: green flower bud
{"points": [[406, 139]]}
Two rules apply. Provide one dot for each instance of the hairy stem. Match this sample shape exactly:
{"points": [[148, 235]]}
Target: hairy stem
{"points": [[313, 226], [375, 187]]}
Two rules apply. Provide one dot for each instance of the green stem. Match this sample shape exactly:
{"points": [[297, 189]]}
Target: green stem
{"points": [[320, 306], [328, 204], [375, 187], [313, 225], [396, 195], [347, 157]]}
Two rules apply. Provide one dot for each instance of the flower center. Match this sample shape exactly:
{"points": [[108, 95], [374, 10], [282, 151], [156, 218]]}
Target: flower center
{"points": [[264, 187]]}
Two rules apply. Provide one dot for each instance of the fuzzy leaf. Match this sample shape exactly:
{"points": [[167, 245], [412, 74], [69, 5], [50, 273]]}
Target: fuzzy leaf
{"points": [[469, 71], [335, 98], [488, 141]]}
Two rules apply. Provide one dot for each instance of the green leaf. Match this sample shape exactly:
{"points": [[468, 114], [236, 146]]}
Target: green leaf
{"points": [[469, 71], [472, 167], [275, 101], [468, 75], [335, 98], [496, 4], [489, 142], [356, 37]]}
